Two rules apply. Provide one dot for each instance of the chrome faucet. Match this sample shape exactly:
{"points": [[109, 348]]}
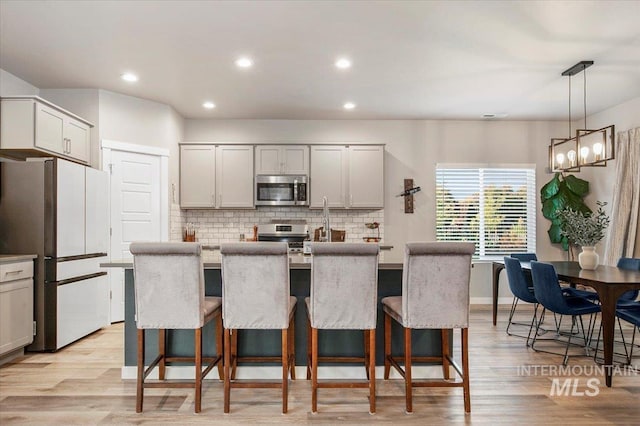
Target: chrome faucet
{"points": [[326, 224]]}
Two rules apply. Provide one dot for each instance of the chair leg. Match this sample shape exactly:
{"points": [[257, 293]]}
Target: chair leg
{"points": [[219, 346], [387, 345], [309, 344], [234, 353], [162, 350], [227, 373], [407, 370], [533, 321], [465, 369], [292, 348], [198, 362], [366, 353], [372, 371], [514, 304], [566, 351], [314, 370], [444, 333], [140, 382], [285, 369]]}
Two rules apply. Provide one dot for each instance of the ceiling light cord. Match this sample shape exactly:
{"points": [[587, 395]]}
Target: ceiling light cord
{"points": [[584, 70], [569, 107]]}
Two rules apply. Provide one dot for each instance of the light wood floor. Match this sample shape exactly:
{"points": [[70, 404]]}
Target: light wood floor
{"points": [[81, 385]]}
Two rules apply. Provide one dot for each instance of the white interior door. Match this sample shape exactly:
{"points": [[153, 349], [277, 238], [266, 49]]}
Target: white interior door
{"points": [[135, 212]]}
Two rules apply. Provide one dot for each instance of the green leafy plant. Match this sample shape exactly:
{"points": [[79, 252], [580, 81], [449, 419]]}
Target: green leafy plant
{"points": [[584, 229], [560, 193]]}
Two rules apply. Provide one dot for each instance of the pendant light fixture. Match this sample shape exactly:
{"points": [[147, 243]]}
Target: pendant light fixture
{"points": [[587, 147]]}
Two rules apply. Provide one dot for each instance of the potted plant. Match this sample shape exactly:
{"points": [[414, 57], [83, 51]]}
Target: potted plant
{"points": [[585, 230]]}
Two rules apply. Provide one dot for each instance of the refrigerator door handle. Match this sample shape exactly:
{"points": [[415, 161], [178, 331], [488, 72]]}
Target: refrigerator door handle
{"points": [[78, 278]]}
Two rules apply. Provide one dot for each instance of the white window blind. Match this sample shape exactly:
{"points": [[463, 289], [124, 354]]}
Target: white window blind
{"points": [[492, 207]]}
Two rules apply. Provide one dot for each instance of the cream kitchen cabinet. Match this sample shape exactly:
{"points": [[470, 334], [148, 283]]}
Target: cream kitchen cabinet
{"points": [[349, 176], [282, 160], [216, 176], [16, 302], [32, 126]]}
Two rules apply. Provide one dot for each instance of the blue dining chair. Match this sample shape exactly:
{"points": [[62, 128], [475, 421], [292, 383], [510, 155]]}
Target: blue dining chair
{"points": [[522, 290], [549, 294], [524, 257], [631, 315], [628, 299]]}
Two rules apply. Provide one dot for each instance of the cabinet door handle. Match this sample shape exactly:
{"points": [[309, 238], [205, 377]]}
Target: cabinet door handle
{"points": [[14, 272], [213, 200], [350, 200]]}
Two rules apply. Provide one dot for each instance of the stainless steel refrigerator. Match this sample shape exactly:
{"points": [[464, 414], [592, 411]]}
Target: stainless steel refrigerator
{"points": [[59, 210]]}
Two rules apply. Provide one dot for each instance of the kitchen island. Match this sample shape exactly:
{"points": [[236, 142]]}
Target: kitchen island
{"points": [[267, 342]]}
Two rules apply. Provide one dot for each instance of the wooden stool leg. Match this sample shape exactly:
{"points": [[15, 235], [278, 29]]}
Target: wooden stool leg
{"points": [[220, 346], [407, 369], [387, 345], [198, 362], [309, 348], [372, 370], [140, 383], [465, 370], [234, 353], [366, 352], [227, 373], [444, 333], [292, 348], [162, 350], [314, 370], [285, 369]]}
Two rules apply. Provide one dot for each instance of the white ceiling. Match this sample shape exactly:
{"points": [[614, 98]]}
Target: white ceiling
{"points": [[412, 60]]}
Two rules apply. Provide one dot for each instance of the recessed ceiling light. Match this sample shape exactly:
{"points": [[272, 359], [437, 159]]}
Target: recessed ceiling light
{"points": [[130, 77], [349, 105], [343, 63], [244, 62], [209, 105]]}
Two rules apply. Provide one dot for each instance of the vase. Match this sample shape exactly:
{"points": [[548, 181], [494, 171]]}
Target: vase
{"points": [[588, 258]]}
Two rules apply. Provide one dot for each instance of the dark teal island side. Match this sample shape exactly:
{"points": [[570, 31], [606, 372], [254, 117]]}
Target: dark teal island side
{"points": [[267, 342]]}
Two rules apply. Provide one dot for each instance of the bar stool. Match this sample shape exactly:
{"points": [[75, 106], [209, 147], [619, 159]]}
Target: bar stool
{"points": [[169, 294], [255, 289], [435, 294], [344, 294]]}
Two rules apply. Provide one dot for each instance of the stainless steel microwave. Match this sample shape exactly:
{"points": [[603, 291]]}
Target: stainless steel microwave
{"points": [[282, 190]]}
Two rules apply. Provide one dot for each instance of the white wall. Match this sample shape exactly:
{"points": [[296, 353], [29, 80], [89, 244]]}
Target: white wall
{"points": [[602, 179], [10, 85], [138, 121]]}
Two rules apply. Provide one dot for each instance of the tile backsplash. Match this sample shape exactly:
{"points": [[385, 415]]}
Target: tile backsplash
{"points": [[222, 226]]}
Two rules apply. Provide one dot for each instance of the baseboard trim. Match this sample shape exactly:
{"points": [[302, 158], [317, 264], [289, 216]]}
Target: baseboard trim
{"points": [[489, 300], [184, 372]]}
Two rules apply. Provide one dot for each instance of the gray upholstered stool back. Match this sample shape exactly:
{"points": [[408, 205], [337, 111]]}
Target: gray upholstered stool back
{"points": [[255, 285], [344, 286], [435, 285], [169, 284]]}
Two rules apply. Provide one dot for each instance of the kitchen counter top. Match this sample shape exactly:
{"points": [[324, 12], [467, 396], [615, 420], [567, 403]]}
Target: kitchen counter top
{"points": [[12, 258], [296, 261], [217, 247]]}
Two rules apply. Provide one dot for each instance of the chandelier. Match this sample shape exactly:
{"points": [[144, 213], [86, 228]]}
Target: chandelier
{"points": [[592, 148]]}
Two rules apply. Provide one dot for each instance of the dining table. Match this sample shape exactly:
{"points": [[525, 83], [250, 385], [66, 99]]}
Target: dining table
{"points": [[609, 282]]}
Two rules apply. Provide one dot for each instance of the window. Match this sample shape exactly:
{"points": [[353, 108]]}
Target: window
{"points": [[492, 207]]}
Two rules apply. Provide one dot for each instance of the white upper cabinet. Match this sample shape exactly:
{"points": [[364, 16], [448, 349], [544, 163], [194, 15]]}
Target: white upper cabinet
{"points": [[34, 127], [234, 176], [197, 176], [349, 176], [366, 176], [328, 175], [216, 176], [282, 160]]}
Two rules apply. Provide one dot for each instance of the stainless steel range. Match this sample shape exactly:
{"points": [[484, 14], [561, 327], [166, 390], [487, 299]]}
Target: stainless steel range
{"points": [[293, 232]]}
